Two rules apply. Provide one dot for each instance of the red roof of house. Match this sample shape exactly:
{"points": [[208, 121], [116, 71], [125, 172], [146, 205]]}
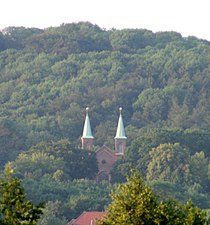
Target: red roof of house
{"points": [[87, 218]]}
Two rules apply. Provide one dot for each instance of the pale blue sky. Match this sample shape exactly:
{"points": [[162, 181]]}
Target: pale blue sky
{"points": [[188, 17]]}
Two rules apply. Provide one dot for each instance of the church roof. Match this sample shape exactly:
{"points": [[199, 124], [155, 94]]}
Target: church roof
{"points": [[120, 134], [87, 132], [108, 151]]}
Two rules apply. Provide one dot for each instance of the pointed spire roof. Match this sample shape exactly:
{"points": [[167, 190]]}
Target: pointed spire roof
{"points": [[120, 134], [87, 133]]}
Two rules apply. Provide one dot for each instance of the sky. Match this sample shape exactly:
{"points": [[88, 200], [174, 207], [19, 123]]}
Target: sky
{"points": [[188, 17]]}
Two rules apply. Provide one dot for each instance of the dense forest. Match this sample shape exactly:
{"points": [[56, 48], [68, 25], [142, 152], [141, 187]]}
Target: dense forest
{"points": [[49, 76]]}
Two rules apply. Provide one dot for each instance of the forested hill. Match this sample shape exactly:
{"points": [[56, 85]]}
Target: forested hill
{"points": [[47, 79]]}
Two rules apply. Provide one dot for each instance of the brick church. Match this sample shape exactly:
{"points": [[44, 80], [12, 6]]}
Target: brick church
{"points": [[105, 156]]}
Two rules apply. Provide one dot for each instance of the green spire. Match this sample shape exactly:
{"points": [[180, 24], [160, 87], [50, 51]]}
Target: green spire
{"points": [[120, 134], [87, 133]]}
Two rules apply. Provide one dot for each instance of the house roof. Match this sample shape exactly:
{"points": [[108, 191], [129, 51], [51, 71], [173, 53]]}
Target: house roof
{"points": [[87, 218]]}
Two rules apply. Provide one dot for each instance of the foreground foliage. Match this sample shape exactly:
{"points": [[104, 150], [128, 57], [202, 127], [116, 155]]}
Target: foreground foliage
{"points": [[135, 203], [14, 209]]}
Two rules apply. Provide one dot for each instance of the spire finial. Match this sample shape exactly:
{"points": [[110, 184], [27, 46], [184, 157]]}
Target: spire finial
{"points": [[120, 109], [87, 109]]}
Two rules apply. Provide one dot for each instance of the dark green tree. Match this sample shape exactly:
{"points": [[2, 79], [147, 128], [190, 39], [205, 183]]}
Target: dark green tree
{"points": [[52, 214]]}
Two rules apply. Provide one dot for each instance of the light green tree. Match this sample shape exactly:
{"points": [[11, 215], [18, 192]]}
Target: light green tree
{"points": [[135, 203], [169, 162], [132, 203]]}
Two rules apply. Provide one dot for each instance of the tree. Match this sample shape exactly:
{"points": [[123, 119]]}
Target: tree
{"points": [[135, 203], [14, 209], [52, 214], [37, 164], [132, 202], [120, 170], [12, 140], [199, 168], [169, 162], [61, 160]]}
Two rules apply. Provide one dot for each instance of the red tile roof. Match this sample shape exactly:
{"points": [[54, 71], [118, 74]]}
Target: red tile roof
{"points": [[87, 218]]}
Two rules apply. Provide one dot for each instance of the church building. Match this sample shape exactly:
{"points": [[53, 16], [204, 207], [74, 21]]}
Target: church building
{"points": [[105, 156]]}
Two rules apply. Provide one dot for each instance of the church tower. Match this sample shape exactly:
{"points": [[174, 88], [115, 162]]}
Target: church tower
{"points": [[87, 137], [120, 138]]}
